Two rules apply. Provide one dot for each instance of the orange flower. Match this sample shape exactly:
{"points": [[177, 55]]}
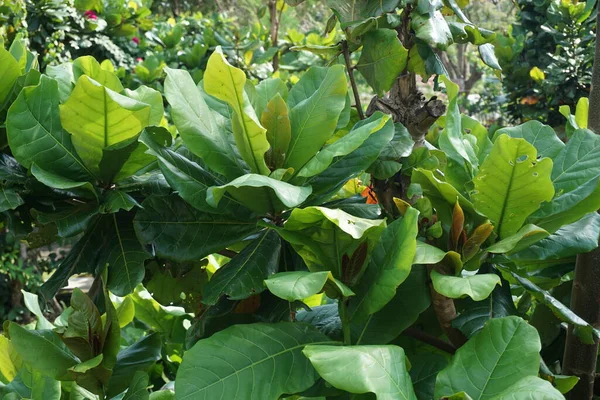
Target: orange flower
{"points": [[370, 195]]}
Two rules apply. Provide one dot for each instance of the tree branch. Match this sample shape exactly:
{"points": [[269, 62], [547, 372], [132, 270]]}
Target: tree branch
{"points": [[431, 340], [350, 70]]}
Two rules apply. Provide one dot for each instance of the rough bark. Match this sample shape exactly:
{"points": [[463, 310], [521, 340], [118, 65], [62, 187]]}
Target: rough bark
{"points": [[580, 358]]}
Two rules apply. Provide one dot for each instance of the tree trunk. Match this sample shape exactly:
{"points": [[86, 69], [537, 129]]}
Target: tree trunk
{"points": [[274, 31], [580, 358]]}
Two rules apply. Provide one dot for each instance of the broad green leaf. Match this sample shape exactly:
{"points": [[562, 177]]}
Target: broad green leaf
{"points": [[411, 299], [541, 136], [478, 287], [488, 56], [506, 349], [137, 357], [199, 126], [10, 73], [351, 11], [233, 363], [123, 159], [9, 361], [276, 121], [166, 320], [389, 266], [226, 83], [299, 285], [583, 330], [322, 236], [423, 371], [63, 74], [511, 184], [400, 146], [382, 59], [87, 65], [432, 29], [265, 91], [42, 349], [50, 179], [35, 134], [70, 219], [525, 237], [138, 388], [570, 240], [189, 179], [243, 276], [116, 200], [98, 117], [476, 313], [315, 103], [325, 318], [344, 146], [442, 195], [530, 387], [125, 312], [45, 387], [124, 256], [180, 232], [348, 167], [364, 369], [33, 304], [84, 367], [153, 98], [260, 193], [10, 199]]}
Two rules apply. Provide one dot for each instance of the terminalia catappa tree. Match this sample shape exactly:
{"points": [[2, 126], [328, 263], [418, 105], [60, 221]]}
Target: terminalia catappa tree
{"points": [[318, 294]]}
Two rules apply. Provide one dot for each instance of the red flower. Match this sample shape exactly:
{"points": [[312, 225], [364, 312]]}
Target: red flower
{"points": [[90, 14], [139, 59], [136, 40]]}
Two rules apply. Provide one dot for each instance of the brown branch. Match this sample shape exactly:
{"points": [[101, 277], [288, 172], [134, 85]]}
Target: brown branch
{"points": [[429, 339], [350, 70]]}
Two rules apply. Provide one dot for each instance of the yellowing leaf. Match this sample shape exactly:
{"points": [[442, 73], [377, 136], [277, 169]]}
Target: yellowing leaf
{"points": [[537, 74], [226, 83]]}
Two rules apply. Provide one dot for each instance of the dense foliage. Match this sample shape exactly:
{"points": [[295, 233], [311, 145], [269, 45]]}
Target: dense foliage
{"points": [[260, 235]]}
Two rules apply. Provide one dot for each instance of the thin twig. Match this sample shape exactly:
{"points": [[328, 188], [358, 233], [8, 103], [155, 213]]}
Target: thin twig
{"points": [[350, 69], [429, 339]]}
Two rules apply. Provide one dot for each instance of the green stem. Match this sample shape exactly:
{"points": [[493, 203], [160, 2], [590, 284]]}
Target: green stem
{"points": [[343, 310]]}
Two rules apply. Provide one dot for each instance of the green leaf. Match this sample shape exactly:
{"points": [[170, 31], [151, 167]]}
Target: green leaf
{"points": [[260, 193], [63, 74], [267, 90], [360, 9], [530, 387], [347, 167], [98, 117], [50, 179], [166, 320], [137, 357], [299, 285], [511, 184], [243, 276], [199, 125], [338, 233], [570, 240], [525, 237], [153, 98], [507, 350], [35, 134], [364, 369], [116, 200], [138, 388], [423, 371], [478, 287], [390, 265], [488, 56], [189, 179], [125, 312], [33, 304], [87, 65], [315, 103], [541, 136], [124, 255], [70, 219], [226, 83], [241, 356], [9, 75], [432, 29], [476, 313], [583, 330], [276, 121], [10, 199], [344, 146], [382, 59], [400, 146], [42, 349], [9, 361], [44, 387], [182, 233], [411, 299]]}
